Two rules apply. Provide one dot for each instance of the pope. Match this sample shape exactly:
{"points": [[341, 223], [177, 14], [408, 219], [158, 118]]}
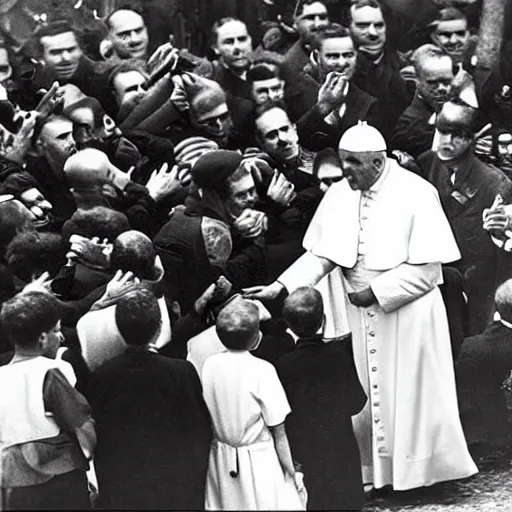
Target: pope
{"points": [[382, 236]]}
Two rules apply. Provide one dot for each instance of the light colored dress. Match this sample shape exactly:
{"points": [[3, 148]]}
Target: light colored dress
{"points": [[393, 238], [245, 398]]}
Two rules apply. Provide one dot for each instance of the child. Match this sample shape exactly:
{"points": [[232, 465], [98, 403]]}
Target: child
{"points": [[250, 466], [46, 430], [324, 391]]}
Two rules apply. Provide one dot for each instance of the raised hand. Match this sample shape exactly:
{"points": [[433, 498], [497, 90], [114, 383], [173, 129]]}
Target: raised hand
{"points": [[40, 284], [263, 293], [280, 190], [333, 91], [251, 223], [163, 182], [120, 283]]}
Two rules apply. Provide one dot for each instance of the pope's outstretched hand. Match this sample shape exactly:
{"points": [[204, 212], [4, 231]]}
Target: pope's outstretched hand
{"points": [[263, 293]]}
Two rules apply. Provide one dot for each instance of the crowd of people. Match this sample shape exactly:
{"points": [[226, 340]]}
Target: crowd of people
{"points": [[275, 277]]}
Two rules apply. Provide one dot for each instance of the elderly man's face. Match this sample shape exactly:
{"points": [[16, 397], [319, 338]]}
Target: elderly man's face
{"points": [[242, 195], [61, 54], [452, 36], [435, 80], [368, 29], [215, 124], [313, 18], [129, 87], [362, 170], [267, 90], [129, 35], [337, 54], [57, 142], [277, 135], [38, 206], [234, 45]]}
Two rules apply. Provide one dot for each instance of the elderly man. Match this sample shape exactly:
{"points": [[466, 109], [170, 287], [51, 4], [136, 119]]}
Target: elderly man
{"points": [[310, 16], [378, 65], [414, 131], [386, 249], [466, 187]]}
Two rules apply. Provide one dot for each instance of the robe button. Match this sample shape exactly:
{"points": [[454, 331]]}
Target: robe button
{"points": [[372, 333], [374, 369], [372, 351], [376, 404]]}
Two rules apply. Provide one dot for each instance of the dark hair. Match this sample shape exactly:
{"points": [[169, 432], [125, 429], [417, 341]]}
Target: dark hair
{"points": [[303, 311], [138, 316], [448, 14], [264, 108], [133, 252], [17, 183], [42, 121], [238, 324], [51, 29], [218, 24], [332, 31], [263, 71], [14, 216], [28, 315], [31, 253], [99, 221], [299, 6]]}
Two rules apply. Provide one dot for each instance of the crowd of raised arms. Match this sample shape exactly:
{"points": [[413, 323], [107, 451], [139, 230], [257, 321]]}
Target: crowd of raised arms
{"points": [[277, 276]]}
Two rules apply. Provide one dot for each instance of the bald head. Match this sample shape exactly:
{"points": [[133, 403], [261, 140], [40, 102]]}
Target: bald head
{"points": [[303, 311], [503, 299], [238, 325], [128, 34], [456, 117], [134, 252]]}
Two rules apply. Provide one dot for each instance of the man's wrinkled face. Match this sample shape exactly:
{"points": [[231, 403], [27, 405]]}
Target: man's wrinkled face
{"points": [[215, 124], [337, 54], [362, 170], [452, 36], [129, 35], [368, 29], [242, 195], [38, 206], [271, 89], [61, 54], [313, 18], [57, 142], [435, 80], [129, 87], [234, 45], [277, 135], [5, 66]]}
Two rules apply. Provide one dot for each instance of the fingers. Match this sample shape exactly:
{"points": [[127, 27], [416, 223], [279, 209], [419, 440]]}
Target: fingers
{"points": [[248, 292]]}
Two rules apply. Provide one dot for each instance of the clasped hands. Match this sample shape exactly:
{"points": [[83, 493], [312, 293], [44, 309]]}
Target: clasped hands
{"points": [[251, 223]]}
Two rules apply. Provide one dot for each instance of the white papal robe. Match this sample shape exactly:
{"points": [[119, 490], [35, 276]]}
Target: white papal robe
{"points": [[392, 238]]}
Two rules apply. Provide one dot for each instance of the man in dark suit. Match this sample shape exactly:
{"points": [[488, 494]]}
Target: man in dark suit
{"points": [[325, 100], [484, 362], [466, 187], [324, 391], [152, 423], [378, 64]]}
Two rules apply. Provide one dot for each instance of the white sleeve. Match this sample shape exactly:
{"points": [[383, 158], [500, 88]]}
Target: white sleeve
{"points": [[308, 270], [405, 283]]}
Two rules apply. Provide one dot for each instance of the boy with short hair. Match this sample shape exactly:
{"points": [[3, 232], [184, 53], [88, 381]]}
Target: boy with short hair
{"points": [[324, 392], [47, 434]]}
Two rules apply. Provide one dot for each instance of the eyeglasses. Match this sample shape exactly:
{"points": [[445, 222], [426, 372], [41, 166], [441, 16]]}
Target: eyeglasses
{"points": [[213, 122]]}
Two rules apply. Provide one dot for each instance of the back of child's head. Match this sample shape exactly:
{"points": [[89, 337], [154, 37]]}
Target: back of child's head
{"points": [[303, 311], [138, 317], [28, 315], [238, 324]]}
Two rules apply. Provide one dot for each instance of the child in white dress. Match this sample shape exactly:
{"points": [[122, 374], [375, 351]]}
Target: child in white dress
{"points": [[250, 466]]}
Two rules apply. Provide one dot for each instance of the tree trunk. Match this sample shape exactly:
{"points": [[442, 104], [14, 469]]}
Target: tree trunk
{"points": [[492, 23]]}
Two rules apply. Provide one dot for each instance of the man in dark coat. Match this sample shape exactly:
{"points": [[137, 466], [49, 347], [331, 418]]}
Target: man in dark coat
{"points": [[414, 131], [325, 99], [309, 17], [484, 363], [378, 64], [152, 423], [324, 391], [466, 187]]}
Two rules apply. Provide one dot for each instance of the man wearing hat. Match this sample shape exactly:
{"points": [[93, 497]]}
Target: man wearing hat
{"points": [[466, 187], [384, 249], [218, 232]]}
